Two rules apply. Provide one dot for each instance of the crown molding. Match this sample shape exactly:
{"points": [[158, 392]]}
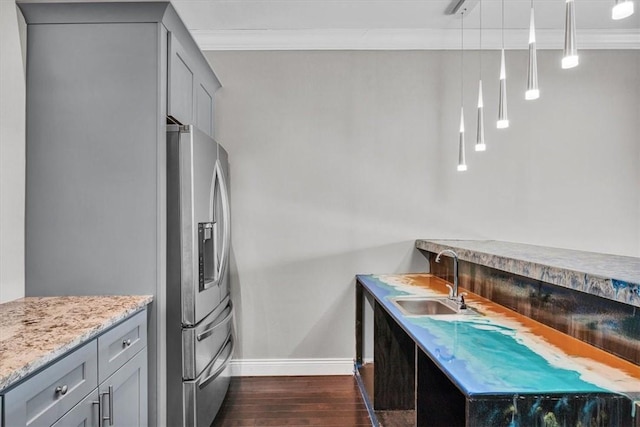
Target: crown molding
{"points": [[405, 39]]}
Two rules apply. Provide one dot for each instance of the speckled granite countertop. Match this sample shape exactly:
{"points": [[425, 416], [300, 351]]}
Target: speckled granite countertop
{"points": [[36, 330], [608, 276]]}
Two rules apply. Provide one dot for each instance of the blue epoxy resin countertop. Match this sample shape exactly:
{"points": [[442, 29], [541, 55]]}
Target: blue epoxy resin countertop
{"points": [[499, 352], [608, 276]]}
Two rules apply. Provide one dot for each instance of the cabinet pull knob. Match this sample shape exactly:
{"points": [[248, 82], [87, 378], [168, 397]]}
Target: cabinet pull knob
{"points": [[126, 343], [62, 390]]}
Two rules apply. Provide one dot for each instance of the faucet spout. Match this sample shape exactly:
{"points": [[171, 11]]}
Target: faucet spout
{"points": [[452, 254]]}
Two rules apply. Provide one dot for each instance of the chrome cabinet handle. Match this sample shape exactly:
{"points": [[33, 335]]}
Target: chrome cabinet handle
{"points": [[99, 403], [62, 390], [204, 334], [110, 405], [126, 343], [101, 416]]}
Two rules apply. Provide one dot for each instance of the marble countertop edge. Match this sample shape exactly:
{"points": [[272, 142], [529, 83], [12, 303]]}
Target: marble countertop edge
{"points": [[624, 288]]}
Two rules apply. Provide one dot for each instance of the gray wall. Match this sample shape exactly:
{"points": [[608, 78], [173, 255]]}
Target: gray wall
{"points": [[12, 152], [341, 159]]}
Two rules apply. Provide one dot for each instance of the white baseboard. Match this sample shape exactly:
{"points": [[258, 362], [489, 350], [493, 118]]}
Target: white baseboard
{"points": [[290, 367]]}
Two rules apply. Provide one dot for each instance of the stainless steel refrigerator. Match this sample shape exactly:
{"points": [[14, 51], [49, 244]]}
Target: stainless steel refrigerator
{"points": [[200, 333]]}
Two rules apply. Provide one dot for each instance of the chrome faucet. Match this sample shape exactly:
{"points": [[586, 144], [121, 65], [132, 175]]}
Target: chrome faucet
{"points": [[453, 294]]}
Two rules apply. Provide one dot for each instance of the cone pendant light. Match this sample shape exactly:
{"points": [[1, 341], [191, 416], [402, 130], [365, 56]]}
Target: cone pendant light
{"points": [[532, 77], [480, 145], [503, 119], [622, 9], [462, 163], [570, 58]]}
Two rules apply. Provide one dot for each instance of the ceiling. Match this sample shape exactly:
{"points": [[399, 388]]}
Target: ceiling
{"points": [[396, 24]]}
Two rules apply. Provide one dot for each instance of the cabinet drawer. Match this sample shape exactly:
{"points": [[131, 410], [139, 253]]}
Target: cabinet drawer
{"points": [[120, 344], [44, 398]]}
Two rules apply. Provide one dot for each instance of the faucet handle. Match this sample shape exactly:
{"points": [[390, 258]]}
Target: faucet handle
{"points": [[450, 290], [463, 305]]}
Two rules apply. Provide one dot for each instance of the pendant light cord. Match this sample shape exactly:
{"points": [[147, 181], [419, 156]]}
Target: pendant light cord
{"points": [[502, 24], [462, 57], [480, 53]]}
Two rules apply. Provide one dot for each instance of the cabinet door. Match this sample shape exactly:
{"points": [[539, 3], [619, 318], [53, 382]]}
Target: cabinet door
{"points": [[124, 394], [84, 414], [180, 76], [204, 107]]}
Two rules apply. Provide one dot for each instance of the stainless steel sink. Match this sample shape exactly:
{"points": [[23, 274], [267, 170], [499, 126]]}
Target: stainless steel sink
{"points": [[426, 306]]}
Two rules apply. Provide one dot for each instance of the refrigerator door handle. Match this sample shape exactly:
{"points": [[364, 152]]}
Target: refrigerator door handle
{"points": [[224, 364], [204, 334], [219, 259], [226, 228]]}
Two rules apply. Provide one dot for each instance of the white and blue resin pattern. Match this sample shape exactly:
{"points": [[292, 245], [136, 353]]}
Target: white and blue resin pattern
{"points": [[608, 276]]}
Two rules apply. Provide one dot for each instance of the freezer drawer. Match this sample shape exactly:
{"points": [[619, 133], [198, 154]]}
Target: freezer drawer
{"points": [[202, 397], [204, 341]]}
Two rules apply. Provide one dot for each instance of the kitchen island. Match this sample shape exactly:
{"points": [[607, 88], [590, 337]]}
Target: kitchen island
{"points": [[57, 354], [493, 366]]}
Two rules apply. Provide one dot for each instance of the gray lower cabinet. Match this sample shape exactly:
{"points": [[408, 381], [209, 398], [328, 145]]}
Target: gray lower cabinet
{"points": [[124, 394], [47, 396], [72, 392], [84, 414]]}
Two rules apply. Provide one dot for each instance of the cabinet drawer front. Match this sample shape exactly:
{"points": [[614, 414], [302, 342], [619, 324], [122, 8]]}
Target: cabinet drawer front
{"points": [[44, 398], [120, 344], [84, 414]]}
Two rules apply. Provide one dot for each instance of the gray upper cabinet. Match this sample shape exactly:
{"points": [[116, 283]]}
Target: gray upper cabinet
{"points": [[189, 93], [204, 108], [180, 99]]}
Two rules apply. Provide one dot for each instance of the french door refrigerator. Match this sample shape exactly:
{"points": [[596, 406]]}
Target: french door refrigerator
{"points": [[200, 338]]}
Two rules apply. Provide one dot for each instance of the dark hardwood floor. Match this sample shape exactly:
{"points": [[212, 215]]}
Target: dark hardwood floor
{"points": [[293, 401]]}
